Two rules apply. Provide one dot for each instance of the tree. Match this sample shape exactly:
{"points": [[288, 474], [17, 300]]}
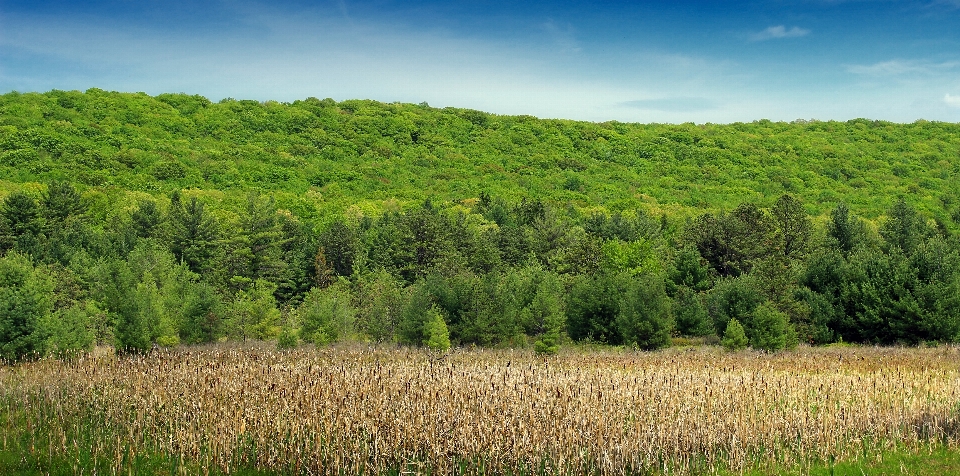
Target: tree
{"points": [[435, 331], [147, 219], [593, 304], [201, 321], [690, 314], [689, 271], [71, 330], [770, 329], [339, 245], [253, 312], [193, 233], [733, 299], [380, 304], [327, 315], [60, 202], [792, 227], [734, 338], [20, 223], [846, 231], [490, 311], [132, 333], [254, 251], [24, 306], [732, 242], [904, 229], [415, 315], [644, 319], [545, 313]]}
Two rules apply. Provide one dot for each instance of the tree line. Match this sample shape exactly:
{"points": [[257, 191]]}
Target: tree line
{"points": [[320, 157], [173, 270]]}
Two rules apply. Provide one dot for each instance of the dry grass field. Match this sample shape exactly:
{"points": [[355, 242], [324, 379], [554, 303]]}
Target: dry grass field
{"points": [[361, 410]]}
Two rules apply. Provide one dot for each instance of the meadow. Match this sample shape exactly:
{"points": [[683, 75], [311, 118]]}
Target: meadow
{"points": [[358, 409]]}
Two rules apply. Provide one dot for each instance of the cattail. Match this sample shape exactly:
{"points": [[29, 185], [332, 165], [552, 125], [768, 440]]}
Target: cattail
{"points": [[368, 410]]}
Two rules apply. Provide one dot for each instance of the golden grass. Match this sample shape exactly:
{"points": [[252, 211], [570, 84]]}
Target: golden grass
{"points": [[367, 410]]}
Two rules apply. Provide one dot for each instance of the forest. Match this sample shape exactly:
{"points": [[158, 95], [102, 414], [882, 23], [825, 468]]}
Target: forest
{"points": [[144, 222]]}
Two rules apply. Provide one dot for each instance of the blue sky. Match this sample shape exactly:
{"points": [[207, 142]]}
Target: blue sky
{"points": [[673, 62]]}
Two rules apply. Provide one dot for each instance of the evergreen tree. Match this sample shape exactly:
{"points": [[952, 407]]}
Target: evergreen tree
{"points": [[147, 219], [60, 202], [793, 228], [904, 228], [24, 306], [339, 245], [380, 305], [415, 315], [71, 330], [435, 331], [201, 322], [645, 319], [593, 304], [735, 298], [734, 338], [20, 224], [253, 312], [690, 314], [770, 329], [545, 312], [193, 233], [689, 271], [845, 231], [254, 250]]}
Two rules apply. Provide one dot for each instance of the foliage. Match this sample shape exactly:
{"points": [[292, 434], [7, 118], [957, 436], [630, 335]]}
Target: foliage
{"points": [[435, 331], [171, 219], [690, 315], [734, 337], [327, 315], [24, 306], [770, 329], [645, 319]]}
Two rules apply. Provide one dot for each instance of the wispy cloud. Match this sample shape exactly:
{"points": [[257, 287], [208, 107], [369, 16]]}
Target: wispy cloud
{"points": [[952, 4], [672, 104], [951, 100], [899, 67], [562, 36], [779, 31]]}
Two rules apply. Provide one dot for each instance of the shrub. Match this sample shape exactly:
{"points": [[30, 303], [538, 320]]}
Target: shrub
{"points": [[771, 330], [435, 330], [734, 338], [327, 315], [644, 319]]}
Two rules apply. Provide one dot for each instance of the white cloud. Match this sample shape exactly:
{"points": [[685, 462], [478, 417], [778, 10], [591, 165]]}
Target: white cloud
{"points": [[899, 67], [779, 31], [951, 100]]}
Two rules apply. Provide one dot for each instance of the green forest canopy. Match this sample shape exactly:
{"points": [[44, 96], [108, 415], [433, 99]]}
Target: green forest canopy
{"points": [[138, 221], [319, 158]]}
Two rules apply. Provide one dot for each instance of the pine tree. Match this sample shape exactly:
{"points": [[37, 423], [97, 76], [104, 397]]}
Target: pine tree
{"points": [[193, 233], [734, 338], [436, 332], [20, 223], [24, 306]]}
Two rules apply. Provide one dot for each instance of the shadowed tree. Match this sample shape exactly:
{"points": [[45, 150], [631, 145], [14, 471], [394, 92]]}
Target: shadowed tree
{"points": [[193, 233], [20, 223], [792, 227]]}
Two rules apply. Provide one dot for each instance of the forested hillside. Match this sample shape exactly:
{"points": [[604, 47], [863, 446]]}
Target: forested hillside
{"points": [[138, 221]]}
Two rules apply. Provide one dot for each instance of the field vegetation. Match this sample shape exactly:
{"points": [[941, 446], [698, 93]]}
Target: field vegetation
{"points": [[371, 410]]}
